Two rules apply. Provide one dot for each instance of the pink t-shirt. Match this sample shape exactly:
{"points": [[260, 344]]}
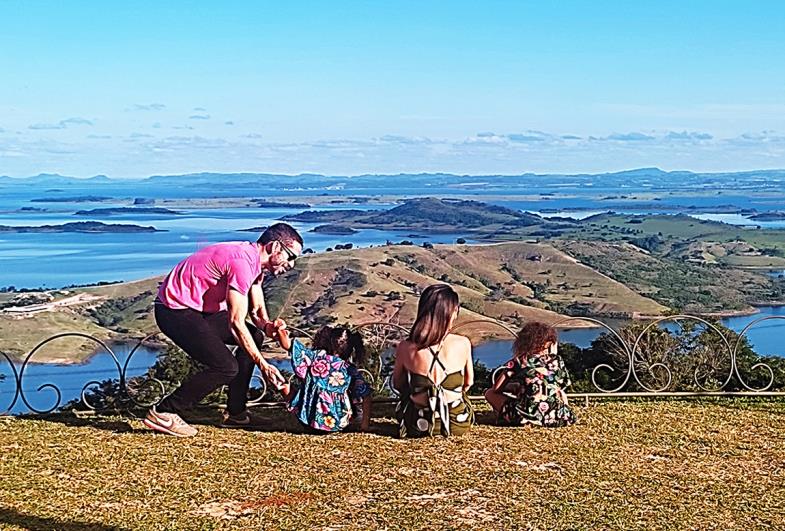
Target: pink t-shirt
{"points": [[201, 281]]}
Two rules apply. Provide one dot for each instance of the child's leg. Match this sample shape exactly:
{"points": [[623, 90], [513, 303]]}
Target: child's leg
{"points": [[286, 391], [496, 399], [366, 419]]}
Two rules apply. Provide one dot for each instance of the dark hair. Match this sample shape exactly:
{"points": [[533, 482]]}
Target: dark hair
{"points": [[342, 342], [437, 305], [280, 231], [532, 338]]}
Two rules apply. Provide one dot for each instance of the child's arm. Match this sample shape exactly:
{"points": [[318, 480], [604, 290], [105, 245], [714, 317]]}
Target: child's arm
{"points": [[563, 380], [284, 339], [468, 376], [562, 376], [366, 422], [399, 369]]}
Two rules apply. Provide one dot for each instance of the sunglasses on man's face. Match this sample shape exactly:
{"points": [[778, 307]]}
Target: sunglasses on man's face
{"points": [[290, 256]]}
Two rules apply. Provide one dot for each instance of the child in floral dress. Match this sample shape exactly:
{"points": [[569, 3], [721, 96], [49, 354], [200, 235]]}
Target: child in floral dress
{"points": [[531, 388], [332, 392]]}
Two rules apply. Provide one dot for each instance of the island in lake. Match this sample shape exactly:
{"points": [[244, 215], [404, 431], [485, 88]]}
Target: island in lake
{"points": [[334, 230], [264, 203], [769, 216], [115, 211], [81, 226], [75, 199]]}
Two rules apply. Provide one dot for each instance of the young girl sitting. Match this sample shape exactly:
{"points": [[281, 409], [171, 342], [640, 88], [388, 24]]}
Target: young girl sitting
{"points": [[332, 391], [531, 389]]}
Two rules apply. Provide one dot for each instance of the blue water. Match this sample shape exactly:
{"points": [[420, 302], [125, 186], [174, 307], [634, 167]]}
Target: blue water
{"points": [[56, 260], [765, 337], [69, 378]]}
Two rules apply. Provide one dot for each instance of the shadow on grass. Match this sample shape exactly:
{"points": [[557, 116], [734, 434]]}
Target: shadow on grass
{"points": [[111, 424], [13, 517], [271, 420]]}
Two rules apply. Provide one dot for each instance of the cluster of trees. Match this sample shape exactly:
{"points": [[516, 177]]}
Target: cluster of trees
{"points": [[112, 311]]}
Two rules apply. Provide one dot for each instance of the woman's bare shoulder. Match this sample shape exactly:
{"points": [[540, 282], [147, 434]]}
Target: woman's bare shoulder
{"points": [[458, 341], [406, 347]]}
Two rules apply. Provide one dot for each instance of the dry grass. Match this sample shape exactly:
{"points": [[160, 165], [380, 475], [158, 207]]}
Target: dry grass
{"points": [[569, 281], [626, 465]]}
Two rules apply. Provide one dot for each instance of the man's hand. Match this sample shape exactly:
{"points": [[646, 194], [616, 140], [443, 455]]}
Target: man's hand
{"points": [[272, 375]]}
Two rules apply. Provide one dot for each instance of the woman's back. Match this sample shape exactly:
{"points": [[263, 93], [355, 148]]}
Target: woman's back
{"points": [[433, 382], [437, 361]]}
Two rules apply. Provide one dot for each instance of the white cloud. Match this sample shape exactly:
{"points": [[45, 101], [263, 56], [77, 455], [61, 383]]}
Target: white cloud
{"points": [[629, 137], [148, 107], [62, 124], [688, 135]]}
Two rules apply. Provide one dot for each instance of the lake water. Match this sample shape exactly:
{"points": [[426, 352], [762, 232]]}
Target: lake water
{"points": [[54, 260], [70, 379]]}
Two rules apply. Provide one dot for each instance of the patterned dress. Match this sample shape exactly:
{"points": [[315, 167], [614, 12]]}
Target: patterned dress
{"points": [[540, 398], [330, 390]]}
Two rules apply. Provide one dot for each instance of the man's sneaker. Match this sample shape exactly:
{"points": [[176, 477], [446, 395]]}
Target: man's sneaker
{"points": [[242, 420], [168, 423]]}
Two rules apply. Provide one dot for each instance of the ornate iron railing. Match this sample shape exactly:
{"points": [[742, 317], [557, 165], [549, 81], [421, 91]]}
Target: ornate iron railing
{"points": [[633, 367]]}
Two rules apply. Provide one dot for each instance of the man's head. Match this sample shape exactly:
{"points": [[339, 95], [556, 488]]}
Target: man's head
{"points": [[282, 244]]}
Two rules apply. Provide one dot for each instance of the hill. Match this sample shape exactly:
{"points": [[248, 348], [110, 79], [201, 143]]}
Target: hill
{"points": [[511, 283], [435, 215]]}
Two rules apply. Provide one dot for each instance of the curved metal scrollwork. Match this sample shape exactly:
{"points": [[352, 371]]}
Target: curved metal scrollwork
{"points": [[380, 337], [132, 392], [759, 365], [635, 363], [625, 349], [53, 387], [16, 384]]}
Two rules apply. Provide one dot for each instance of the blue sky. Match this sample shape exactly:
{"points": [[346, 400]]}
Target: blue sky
{"points": [[139, 88]]}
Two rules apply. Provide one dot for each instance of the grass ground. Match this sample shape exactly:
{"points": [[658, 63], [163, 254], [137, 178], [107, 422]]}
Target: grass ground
{"points": [[713, 464]]}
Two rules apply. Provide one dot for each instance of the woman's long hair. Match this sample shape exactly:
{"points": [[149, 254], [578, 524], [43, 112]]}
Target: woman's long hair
{"points": [[437, 305]]}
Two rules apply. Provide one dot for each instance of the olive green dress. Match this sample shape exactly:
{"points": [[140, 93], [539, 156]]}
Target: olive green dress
{"points": [[448, 411]]}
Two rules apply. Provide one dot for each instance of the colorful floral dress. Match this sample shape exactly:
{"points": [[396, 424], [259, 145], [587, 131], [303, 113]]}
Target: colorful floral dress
{"points": [[540, 398], [330, 389]]}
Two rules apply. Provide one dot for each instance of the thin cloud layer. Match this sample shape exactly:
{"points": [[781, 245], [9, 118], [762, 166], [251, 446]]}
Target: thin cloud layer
{"points": [[154, 151]]}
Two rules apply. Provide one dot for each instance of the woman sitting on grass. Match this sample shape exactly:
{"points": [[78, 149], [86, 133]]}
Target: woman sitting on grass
{"points": [[331, 393], [531, 389], [433, 370]]}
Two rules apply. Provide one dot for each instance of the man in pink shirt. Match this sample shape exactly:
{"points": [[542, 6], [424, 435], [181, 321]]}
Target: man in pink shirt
{"points": [[202, 306]]}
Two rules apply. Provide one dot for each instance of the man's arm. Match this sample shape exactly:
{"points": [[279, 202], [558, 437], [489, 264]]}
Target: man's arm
{"points": [[259, 315], [258, 307], [238, 311]]}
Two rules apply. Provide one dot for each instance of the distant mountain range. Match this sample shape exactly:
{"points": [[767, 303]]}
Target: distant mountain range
{"points": [[308, 179]]}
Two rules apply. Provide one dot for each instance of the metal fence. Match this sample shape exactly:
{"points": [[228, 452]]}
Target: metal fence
{"points": [[634, 373]]}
